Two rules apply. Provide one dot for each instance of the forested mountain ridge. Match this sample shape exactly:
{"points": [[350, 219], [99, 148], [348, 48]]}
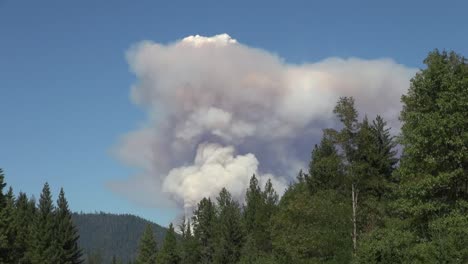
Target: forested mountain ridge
{"points": [[105, 235]]}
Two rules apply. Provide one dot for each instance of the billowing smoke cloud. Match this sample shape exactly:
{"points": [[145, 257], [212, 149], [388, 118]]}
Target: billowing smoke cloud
{"points": [[220, 111]]}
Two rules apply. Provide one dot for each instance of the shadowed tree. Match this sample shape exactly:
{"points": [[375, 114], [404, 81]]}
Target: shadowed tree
{"points": [[169, 251], [147, 250], [67, 234], [44, 242]]}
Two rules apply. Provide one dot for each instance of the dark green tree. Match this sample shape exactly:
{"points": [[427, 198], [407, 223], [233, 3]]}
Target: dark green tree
{"points": [[44, 239], [385, 144], [204, 224], [189, 249], [147, 250], [169, 251], [230, 235], [8, 251], [434, 163], [325, 167], [67, 234], [258, 210], [4, 223], [312, 228], [24, 218]]}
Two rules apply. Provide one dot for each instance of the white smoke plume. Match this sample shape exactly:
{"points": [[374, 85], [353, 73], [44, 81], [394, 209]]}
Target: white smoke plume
{"points": [[220, 111]]}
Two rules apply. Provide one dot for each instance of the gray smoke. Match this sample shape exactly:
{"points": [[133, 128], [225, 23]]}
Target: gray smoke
{"points": [[220, 111]]}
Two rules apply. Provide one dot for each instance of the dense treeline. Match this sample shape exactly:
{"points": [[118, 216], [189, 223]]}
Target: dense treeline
{"points": [[104, 236], [359, 202], [36, 234]]}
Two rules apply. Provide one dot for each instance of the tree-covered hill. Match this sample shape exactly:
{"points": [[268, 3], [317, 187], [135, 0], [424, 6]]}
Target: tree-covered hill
{"points": [[104, 235]]}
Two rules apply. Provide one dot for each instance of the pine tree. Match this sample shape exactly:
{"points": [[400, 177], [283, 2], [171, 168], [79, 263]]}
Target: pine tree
{"points": [[24, 217], [385, 144], [325, 167], [311, 228], [204, 224], [2, 185], [259, 207], [147, 250], [189, 252], [230, 236], [44, 239], [169, 252], [8, 253], [67, 234], [3, 221], [254, 203]]}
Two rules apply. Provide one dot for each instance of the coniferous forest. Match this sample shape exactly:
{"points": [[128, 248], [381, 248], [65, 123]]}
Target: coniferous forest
{"points": [[366, 197], [41, 232]]}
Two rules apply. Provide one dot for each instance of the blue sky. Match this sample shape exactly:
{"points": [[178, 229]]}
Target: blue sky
{"points": [[64, 80]]}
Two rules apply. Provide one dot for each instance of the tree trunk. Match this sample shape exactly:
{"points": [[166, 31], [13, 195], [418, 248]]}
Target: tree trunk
{"points": [[354, 197]]}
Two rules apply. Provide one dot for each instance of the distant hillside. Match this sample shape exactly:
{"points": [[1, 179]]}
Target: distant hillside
{"points": [[110, 234]]}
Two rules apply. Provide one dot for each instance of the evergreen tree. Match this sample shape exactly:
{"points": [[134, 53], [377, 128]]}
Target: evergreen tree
{"points": [[24, 218], [230, 236], [189, 246], [67, 234], [204, 224], [434, 164], [147, 249], [325, 167], [4, 224], [44, 239], [169, 252], [311, 228], [9, 253], [259, 207], [386, 158], [254, 203]]}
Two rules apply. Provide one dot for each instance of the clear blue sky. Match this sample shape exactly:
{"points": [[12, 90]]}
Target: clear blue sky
{"points": [[64, 81]]}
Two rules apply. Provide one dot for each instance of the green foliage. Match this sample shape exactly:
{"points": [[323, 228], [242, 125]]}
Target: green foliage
{"points": [[312, 228], [387, 245], [24, 217], [204, 224], [325, 167], [428, 222], [43, 235], [8, 251], [258, 210], [169, 253], [189, 248], [147, 249], [229, 230], [4, 222], [44, 244], [67, 237], [434, 165]]}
